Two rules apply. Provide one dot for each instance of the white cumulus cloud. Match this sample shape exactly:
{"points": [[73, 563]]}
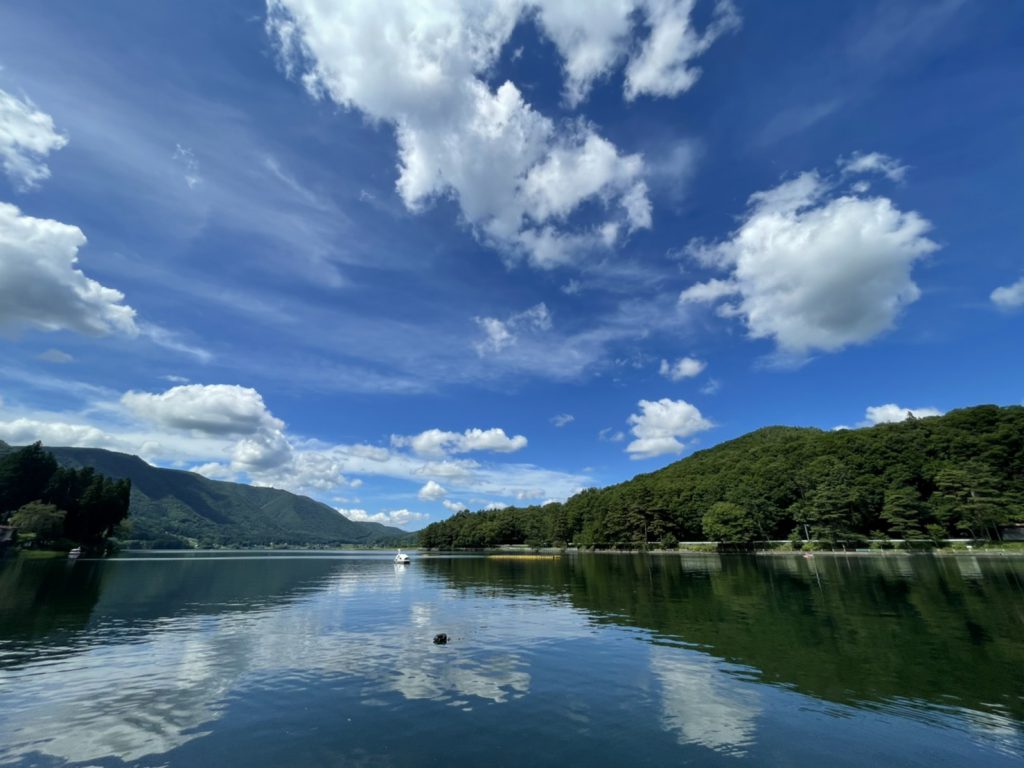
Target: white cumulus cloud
{"points": [[394, 517], [215, 409], [516, 174], [22, 431], [1009, 296], [663, 65], [215, 471], [219, 410], [432, 491], [437, 443], [41, 286], [684, 368], [267, 449], [815, 269], [891, 413], [592, 38], [561, 419], [660, 426], [27, 136], [454, 506]]}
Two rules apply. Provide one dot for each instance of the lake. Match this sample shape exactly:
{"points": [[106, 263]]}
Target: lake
{"points": [[304, 659]]}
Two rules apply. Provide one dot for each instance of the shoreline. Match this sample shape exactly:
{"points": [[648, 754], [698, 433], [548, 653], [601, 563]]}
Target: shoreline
{"points": [[523, 553], [510, 553]]}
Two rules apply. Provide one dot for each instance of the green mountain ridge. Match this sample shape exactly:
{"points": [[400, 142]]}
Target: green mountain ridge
{"points": [[955, 475], [176, 508]]}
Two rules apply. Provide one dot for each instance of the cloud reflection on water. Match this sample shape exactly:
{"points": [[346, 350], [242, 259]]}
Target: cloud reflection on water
{"points": [[702, 704], [171, 652], [133, 696]]}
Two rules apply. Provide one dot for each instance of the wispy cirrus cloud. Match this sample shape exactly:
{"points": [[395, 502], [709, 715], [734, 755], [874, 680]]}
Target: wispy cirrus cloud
{"points": [[499, 334], [56, 356], [873, 162]]}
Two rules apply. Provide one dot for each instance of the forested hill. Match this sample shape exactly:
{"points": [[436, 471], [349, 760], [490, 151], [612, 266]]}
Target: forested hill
{"points": [[172, 508], [953, 475]]}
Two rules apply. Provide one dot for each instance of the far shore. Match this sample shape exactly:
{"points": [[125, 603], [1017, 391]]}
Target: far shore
{"points": [[993, 550], [1014, 550]]}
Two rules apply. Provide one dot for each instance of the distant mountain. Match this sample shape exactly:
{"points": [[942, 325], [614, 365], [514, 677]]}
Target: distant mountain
{"points": [[173, 508]]}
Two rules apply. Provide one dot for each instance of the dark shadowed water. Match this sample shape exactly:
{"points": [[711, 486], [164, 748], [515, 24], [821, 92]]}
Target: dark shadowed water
{"points": [[326, 659]]}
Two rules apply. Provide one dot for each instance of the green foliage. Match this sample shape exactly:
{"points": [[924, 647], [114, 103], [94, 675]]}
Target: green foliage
{"points": [[980, 499], [731, 523], [95, 504], [43, 520], [936, 533], [833, 504], [942, 476], [79, 505], [24, 475], [903, 510]]}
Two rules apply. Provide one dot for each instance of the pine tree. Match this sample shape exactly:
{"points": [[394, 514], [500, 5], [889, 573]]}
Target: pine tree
{"points": [[903, 510]]}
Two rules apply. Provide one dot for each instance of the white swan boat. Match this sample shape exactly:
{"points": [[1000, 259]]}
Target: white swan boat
{"points": [[401, 558]]}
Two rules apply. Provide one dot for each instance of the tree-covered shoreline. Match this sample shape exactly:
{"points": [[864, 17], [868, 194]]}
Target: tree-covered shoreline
{"points": [[958, 475], [58, 507]]}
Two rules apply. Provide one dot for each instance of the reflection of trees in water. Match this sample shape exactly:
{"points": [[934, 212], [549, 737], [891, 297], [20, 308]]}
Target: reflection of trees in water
{"points": [[872, 630], [863, 631], [44, 598], [852, 630]]}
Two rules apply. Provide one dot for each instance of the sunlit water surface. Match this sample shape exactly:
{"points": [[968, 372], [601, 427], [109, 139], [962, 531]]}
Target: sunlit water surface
{"points": [[273, 659]]}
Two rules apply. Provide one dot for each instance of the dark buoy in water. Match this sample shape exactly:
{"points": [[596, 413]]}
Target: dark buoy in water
{"points": [[441, 639]]}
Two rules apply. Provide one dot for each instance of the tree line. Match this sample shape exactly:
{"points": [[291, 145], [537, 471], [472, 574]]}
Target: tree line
{"points": [[54, 505], [961, 474]]}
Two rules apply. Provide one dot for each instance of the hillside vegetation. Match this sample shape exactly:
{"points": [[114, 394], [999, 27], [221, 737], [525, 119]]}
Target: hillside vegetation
{"points": [[172, 508], [56, 506], [961, 474]]}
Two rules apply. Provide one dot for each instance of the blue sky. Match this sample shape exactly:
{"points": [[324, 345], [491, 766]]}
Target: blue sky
{"points": [[406, 260]]}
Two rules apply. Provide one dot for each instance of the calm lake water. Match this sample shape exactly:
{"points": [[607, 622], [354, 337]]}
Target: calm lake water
{"points": [[326, 659]]}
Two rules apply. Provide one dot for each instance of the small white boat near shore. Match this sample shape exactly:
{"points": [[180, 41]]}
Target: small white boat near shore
{"points": [[401, 558], [75, 553]]}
